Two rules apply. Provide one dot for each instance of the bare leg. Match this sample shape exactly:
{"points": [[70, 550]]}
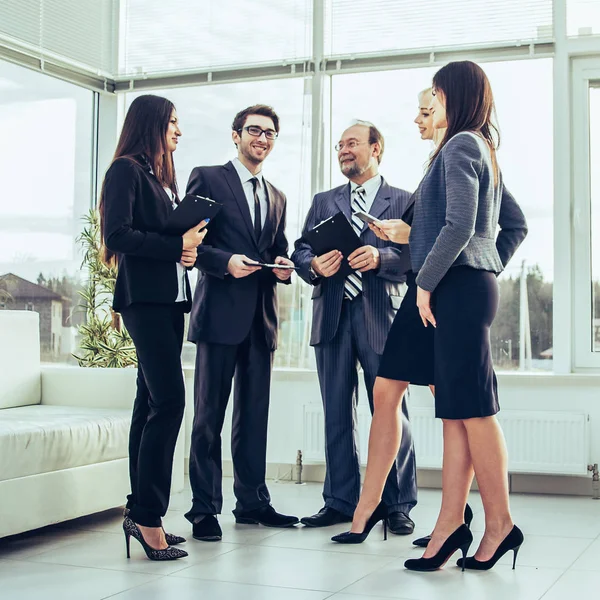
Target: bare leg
{"points": [[384, 442], [490, 459], [457, 475], [154, 536]]}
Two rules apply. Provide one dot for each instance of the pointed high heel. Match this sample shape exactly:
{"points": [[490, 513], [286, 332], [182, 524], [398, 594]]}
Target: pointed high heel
{"points": [[132, 530], [461, 540], [422, 542], [170, 538], [512, 541], [379, 514]]}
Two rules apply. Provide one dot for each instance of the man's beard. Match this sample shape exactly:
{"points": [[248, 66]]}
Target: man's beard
{"points": [[352, 169], [247, 152]]}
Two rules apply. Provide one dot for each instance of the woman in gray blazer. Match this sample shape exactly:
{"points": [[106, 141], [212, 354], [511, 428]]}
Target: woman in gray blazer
{"points": [[456, 257]]}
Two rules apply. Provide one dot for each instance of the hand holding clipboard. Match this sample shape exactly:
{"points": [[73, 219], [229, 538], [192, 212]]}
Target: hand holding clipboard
{"points": [[333, 240]]}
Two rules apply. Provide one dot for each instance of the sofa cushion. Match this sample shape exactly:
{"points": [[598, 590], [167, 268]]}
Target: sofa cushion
{"points": [[41, 439], [19, 358]]}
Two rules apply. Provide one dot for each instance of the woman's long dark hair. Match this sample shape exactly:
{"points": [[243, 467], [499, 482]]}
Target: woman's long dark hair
{"points": [[143, 138], [469, 105]]}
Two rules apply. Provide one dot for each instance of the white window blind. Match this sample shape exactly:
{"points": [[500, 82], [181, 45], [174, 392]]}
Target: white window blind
{"points": [[179, 35], [583, 17], [396, 25], [78, 32]]}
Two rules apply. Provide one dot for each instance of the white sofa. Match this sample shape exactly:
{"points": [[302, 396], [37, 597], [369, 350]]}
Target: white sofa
{"points": [[63, 433]]}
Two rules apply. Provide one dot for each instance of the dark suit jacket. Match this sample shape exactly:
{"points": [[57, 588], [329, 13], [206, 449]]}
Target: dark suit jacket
{"points": [[136, 209], [224, 307], [383, 289]]}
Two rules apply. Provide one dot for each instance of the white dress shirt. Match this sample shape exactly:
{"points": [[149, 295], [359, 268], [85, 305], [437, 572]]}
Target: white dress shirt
{"points": [[181, 293], [246, 179], [371, 188]]}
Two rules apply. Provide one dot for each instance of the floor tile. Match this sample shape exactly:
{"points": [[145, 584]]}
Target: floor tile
{"points": [[84, 559], [501, 583], [310, 538], [287, 567], [542, 551], [193, 589], [576, 585], [589, 560], [107, 551], [30, 581], [344, 596], [35, 542]]}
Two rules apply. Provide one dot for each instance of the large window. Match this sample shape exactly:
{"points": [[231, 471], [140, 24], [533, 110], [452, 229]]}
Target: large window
{"points": [[45, 177], [180, 35], [205, 115], [391, 26], [389, 99]]}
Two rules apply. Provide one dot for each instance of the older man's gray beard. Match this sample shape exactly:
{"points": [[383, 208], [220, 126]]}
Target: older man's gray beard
{"points": [[352, 170]]}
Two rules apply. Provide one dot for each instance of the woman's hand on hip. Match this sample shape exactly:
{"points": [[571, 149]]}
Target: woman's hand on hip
{"points": [[424, 306], [193, 237]]}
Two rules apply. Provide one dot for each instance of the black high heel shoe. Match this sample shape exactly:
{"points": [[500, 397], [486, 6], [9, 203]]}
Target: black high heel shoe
{"points": [[171, 539], [512, 542], [379, 514], [132, 530], [424, 541], [461, 539]]}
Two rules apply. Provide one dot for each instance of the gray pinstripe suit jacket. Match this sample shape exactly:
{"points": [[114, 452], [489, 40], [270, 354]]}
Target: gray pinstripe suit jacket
{"points": [[383, 289]]}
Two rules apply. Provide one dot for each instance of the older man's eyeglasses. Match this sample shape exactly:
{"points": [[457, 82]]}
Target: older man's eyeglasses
{"points": [[349, 145], [256, 131]]}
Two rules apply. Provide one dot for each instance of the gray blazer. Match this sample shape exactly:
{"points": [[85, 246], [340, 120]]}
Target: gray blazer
{"points": [[383, 290], [457, 212]]}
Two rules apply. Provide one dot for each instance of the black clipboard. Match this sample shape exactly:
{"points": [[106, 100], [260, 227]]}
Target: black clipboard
{"points": [[191, 211], [335, 233]]}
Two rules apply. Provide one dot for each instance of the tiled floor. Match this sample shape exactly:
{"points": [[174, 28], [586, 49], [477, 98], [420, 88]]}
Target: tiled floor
{"points": [[85, 559]]}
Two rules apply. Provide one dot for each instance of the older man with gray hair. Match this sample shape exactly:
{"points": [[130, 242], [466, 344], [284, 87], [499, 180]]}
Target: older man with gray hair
{"points": [[351, 319]]}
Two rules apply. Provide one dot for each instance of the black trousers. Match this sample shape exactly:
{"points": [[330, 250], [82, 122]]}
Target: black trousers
{"points": [[157, 332], [216, 364]]}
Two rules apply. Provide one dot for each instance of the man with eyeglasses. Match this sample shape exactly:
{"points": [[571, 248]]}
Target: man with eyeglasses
{"points": [[234, 325], [351, 319]]}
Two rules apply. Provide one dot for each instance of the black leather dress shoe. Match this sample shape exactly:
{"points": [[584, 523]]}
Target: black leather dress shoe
{"points": [[207, 530], [325, 517], [267, 516], [400, 523]]}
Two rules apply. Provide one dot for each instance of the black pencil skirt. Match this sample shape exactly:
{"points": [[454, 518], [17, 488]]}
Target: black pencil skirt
{"points": [[456, 355]]}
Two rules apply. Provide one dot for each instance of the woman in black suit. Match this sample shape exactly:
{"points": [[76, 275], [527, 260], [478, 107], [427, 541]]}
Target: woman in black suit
{"points": [[152, 293]]}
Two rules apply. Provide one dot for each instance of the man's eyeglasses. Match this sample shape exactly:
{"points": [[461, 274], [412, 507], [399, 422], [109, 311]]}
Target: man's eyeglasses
{"points": [[350, 145], [255, 131]]}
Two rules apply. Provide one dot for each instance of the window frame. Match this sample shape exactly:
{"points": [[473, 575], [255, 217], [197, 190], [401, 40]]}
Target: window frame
{"points": [[584, 75]]}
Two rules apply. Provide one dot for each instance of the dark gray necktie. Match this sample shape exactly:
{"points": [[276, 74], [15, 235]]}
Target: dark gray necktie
{"points": [[257, 215]]}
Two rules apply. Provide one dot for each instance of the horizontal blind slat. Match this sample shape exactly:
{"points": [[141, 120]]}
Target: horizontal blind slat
{"points": [[180, 35], [392, 25]]}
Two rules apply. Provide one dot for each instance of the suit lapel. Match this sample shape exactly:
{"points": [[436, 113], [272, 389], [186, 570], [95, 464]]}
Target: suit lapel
{"points": [[235, 184], [381, 202], [342, 199]]}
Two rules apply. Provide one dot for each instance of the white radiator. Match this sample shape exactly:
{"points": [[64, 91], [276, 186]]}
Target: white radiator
{"points": [[538, 442]]}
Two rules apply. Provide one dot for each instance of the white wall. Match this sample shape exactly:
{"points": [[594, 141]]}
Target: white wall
{"points": [[518, 391]]}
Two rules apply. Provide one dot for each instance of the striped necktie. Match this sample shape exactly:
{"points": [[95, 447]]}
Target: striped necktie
{"points": [[353, 283]]}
